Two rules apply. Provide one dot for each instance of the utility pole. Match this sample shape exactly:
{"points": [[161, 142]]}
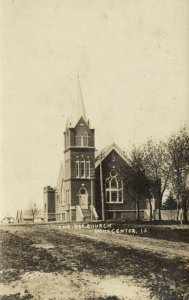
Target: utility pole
{"points": [[91, 199], [101, 187], [70, 207], [92, 176]]}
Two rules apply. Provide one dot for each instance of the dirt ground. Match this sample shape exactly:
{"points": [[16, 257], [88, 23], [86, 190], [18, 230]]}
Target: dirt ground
{"points": [[50, 262]]}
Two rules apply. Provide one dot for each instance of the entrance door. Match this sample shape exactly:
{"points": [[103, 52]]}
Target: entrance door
{"points": [[83, 198]]}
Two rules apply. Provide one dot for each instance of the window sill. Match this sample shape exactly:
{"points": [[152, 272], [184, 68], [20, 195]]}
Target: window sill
{"points": [[83, 177], [115, 202]]}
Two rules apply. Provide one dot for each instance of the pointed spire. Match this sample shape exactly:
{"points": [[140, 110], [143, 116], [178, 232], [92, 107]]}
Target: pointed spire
{"points": [[78, 107]]}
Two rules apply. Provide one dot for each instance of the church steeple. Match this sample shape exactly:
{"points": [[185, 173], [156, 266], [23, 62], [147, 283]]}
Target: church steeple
{"points": [[78, 107], [79, 160], [78, 131]]}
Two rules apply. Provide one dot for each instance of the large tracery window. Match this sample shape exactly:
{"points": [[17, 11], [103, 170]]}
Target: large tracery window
{"points": [[114, 189]]}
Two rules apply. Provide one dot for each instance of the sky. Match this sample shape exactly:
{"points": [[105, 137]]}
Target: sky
{"points": [[132, 58]]}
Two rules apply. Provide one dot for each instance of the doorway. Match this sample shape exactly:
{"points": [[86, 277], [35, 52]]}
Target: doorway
{"points": [[83, 198]]}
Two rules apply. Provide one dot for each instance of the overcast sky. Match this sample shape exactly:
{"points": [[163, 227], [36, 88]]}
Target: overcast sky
{"points": [[132, 57]]}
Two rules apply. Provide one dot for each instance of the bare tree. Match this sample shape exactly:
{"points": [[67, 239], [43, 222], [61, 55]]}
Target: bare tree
{"points": [[156, 161], [178, 146], [33, 211]]}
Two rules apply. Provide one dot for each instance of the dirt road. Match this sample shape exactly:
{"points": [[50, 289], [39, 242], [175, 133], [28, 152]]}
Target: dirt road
{"points": [[165, 248], [49, 262]]}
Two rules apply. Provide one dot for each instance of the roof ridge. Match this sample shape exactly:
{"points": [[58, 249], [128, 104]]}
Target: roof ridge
{"points": [[107, 150]]}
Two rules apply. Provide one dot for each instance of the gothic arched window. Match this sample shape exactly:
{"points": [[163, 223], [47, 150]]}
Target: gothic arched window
{"points": [[77, 167], [114, 189], [81, 138], [82, 167], [88, 167]]}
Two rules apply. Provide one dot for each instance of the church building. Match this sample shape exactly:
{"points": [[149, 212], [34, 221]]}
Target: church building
{"points": [[91, 185]]}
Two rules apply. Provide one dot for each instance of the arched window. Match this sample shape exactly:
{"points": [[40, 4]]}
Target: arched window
{"points": [[84, 140], [67, 197], [114, 188], [77, 167], [82, 167], [88, 167], [81, 138]]}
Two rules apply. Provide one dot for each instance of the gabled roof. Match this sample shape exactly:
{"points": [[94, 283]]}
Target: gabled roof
{"points": [[78, 108], [7, 218], [102, 154]]}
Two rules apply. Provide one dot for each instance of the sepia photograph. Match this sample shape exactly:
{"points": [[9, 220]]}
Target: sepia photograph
{"points": [[94, 157]]}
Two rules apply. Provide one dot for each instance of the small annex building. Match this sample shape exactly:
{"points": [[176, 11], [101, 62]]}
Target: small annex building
{"points": [[8, 220], [91, 185]]}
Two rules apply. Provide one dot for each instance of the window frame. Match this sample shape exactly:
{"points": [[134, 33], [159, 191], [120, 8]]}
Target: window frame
{"points": [[83, 167], [109, 190], [82, 164], [77, 167], [87, 168], [80, 139]]}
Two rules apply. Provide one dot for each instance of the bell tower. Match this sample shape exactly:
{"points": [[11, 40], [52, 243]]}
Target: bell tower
{"points": [[79, 163]]}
